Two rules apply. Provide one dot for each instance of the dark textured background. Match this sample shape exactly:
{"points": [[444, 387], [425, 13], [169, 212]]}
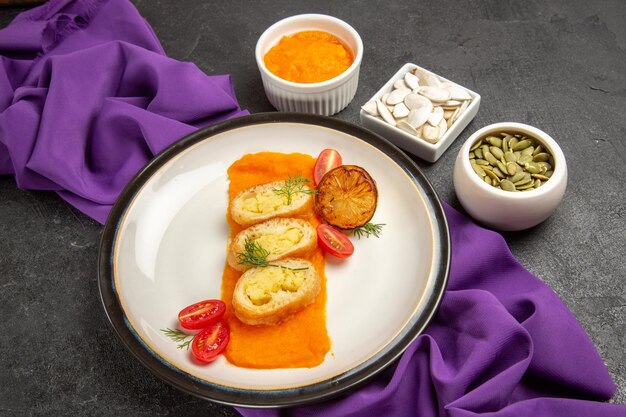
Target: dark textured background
{"points": [[557, 65]]}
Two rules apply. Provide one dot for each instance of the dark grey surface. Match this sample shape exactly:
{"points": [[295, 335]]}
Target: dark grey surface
{"points": [[557, 65]]}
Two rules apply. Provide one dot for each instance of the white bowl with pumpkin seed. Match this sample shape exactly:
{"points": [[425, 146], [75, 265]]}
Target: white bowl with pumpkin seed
{"points": [[510, 176], [420, 111]]}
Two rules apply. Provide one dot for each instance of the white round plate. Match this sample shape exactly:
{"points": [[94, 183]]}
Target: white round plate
{"points": [[164, 247]]}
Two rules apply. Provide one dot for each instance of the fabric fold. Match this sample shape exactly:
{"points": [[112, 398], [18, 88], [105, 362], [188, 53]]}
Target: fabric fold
{"points": [[88, 97], [501, 344]]}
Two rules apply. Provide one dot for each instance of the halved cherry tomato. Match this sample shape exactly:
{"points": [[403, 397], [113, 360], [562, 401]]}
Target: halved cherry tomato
{"points": [[333, 241], [210, 342], [327, 160], [202, 314]]}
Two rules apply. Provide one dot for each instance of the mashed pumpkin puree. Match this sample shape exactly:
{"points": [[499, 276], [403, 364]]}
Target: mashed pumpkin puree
{"points": [[302, 340], [310, 56]]}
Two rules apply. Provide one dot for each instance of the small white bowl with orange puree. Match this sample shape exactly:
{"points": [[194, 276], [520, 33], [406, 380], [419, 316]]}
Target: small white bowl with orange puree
{"points": [[310, 63]]}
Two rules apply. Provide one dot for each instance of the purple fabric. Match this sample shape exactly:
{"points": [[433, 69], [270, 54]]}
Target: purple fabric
{"points": [[501, 344], [87, 97]]}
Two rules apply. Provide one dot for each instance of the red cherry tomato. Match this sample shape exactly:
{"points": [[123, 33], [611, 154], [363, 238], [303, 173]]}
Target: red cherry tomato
{"points": [[202, 314], [210, 342], [333, 241], [327, 160]]}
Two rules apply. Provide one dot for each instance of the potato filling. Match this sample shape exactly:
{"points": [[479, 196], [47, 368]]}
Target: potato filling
{"points": [[276, 243], [268, 202], [270, 281]]}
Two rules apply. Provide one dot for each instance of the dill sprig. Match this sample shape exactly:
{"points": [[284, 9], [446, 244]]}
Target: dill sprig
{"points": [[253, 255], [182, 338], [256, 255], [368, 229], [294, 185]]}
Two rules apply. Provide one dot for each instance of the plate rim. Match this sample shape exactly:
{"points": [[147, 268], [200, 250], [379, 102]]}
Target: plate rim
{"points": [[315, 392]]}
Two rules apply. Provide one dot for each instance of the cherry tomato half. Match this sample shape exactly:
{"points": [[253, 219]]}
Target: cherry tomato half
{"points": [[333, 241], [210, 342], [327, 160], [202, 314]]}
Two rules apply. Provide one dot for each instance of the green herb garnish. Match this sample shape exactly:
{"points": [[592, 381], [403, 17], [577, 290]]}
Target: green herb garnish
{"points": [[294, 185], [180, 337], [368, 229], [256, 255], [253, 255]]}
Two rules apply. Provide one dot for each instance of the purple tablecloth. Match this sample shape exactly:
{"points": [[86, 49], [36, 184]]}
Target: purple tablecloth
{"points": [[88, 97], [501, 344]]}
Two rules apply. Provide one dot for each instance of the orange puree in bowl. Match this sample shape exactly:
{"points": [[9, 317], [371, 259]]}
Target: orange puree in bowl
{"points": [[310, 56], [301, 340]]}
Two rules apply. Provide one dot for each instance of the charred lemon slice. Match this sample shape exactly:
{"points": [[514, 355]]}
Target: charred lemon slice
{"points": [[346, 197]]}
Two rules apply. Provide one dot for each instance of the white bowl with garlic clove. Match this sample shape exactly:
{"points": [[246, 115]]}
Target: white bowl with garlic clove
{"points": [[420, 111]]}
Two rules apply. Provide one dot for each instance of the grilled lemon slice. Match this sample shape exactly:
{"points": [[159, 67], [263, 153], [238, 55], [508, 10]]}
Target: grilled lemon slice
{"points": [[346, 197]]}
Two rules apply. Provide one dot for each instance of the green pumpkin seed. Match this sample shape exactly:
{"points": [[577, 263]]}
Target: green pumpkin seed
{"points": [[523, 182], [478, 170], [493, 176], [524, 159], [541, 157], [514, 163], [511, 168], [522, 144], [545, 164], [507, 185], [517, 176], [499, 172], [533, 167], [509, 157], [494, 140], [501, 166], [497, 152], [541, 177], [490, 158]]}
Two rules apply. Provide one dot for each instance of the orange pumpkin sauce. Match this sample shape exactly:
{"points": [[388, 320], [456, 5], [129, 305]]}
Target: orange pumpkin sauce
{"points": [[302, 340], [310, 56]]}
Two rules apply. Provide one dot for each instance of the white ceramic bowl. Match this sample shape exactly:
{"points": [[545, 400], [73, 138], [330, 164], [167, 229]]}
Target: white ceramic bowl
{"points": [[410, 143], [325, 98], [506, 210]]}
